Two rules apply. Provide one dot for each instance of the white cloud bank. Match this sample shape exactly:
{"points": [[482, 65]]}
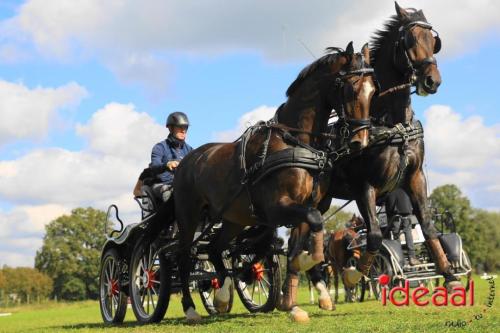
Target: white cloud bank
{"points": [[134, 38], [49, 182], [465, 152], [28, 113]]}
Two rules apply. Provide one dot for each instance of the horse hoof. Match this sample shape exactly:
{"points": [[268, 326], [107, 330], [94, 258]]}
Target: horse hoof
{"points": [[221, 306], [351, 277], [326, 304], [298, 315], [452, 284], [192, 317]]}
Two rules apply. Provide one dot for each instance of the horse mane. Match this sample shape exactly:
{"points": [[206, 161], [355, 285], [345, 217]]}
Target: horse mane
{"points": [[390, 26], [330, 58]]}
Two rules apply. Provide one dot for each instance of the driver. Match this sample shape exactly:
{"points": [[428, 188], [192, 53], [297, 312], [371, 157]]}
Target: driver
{"points": [[399, 208], [165, 157]]}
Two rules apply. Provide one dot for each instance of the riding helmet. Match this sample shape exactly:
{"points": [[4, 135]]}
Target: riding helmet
{"points": [[177, 119]]}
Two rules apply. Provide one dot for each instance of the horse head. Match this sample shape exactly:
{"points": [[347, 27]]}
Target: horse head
{"points": [[415, 48], [341, 81], [356, 90]]}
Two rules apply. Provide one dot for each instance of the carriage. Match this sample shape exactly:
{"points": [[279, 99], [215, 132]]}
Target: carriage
{"points": [[304, 157], [138, 264], [392, 259]]}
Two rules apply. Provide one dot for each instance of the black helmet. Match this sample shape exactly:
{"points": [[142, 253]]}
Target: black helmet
{"points": [[177, 119]]}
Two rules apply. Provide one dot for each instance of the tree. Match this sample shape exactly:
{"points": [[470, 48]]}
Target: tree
{"points": [[2, 281], [338, 220], [27, 283], [479, 229], [70, 253]]}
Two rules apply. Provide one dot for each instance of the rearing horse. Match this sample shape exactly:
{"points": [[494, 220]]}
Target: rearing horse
{"points": [[243, 184], [402, 56]]}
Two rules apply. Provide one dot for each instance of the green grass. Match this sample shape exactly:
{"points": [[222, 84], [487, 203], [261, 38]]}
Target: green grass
{"points": [[369, 316]]}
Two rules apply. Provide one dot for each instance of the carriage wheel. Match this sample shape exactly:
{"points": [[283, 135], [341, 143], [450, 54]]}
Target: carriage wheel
{"points": [[150, 282], [112, 300], [208, 287], [467, 264], [257, 283], [381, 265]]}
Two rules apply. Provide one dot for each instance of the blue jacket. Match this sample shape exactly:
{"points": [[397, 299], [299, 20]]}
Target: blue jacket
{"points": [[166, 151]]}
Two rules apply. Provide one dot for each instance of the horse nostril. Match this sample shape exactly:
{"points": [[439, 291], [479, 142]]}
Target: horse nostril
{"points": [[429, 82], [355, 145]]}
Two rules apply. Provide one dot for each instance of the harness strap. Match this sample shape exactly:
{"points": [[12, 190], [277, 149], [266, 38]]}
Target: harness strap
{"points": [[296, 157]]}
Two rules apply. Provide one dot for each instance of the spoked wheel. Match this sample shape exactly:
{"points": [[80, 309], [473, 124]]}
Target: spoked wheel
{"points": [[257, 282], [381, 265], [467, 265], [150, 282], [112, 300], [207, 288]]}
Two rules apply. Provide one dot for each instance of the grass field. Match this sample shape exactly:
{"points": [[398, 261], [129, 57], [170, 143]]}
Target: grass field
{"points": [[369, 316]]}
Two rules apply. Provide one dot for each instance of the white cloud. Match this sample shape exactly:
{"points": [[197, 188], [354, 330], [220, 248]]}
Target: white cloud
{"points": [[246, 120], [27, 113], [134, 38], [465, 152], [119, 130], [46, 183], [120, 141], [21, 232], [460, 143]]}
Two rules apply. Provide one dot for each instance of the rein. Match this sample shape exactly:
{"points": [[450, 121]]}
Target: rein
{"points": [[395, 89]]}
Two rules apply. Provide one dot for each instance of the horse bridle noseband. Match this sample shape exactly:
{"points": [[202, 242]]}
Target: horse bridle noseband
{"points": [[351, 126], [406, 41]]}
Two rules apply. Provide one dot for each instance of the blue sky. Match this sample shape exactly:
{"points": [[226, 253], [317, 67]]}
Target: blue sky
{"points": [[97, 80]]}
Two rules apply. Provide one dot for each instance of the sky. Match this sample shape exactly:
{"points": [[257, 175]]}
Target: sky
{"points": [[86, 86]]}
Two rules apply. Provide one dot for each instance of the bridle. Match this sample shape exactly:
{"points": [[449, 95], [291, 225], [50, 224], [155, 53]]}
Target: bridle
{"points": [[346, 129], [405, 42], [406, 66], [349, 127]]}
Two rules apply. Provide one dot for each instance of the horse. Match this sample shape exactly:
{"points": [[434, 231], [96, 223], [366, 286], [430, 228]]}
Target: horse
{"points": [[337, 257], [403, 56], [242, 184]]}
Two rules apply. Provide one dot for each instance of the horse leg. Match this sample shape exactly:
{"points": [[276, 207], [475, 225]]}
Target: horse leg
{"points": [[315, 279], [366, 206], [296, 241], [418, 195], [224, 236], [288, 212], [185, 265], [311, 293], [336, 284]]}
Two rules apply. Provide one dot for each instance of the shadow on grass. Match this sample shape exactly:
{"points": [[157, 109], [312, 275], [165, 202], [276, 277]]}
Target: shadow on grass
{"points": [[180, 321]]}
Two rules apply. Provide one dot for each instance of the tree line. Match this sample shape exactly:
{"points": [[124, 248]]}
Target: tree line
{"points": [[23, 285], [67, 265]]}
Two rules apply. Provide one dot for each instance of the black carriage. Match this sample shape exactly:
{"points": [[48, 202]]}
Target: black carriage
{"points": [[392, 260], [138, 263]]}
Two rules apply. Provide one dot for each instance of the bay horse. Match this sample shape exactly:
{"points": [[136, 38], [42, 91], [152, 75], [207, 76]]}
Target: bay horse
{"points": [[216, 177], [337, 256], [402, 56]]}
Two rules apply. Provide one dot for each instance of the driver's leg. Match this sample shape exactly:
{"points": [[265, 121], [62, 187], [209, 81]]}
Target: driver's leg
{"points": [[406, 225]]}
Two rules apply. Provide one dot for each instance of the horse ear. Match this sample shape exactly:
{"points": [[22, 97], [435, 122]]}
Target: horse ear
{"points": [[349, 49], [365, 50], [402, 13]]}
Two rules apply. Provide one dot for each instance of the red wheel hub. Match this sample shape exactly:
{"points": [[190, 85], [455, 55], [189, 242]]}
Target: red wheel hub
{"points": [[258, 271], [114, 288], [151, 277], [215, 283]]}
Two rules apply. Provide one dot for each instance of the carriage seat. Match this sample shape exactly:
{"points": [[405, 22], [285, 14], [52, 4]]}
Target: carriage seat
{"points": [[452, 246]]}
